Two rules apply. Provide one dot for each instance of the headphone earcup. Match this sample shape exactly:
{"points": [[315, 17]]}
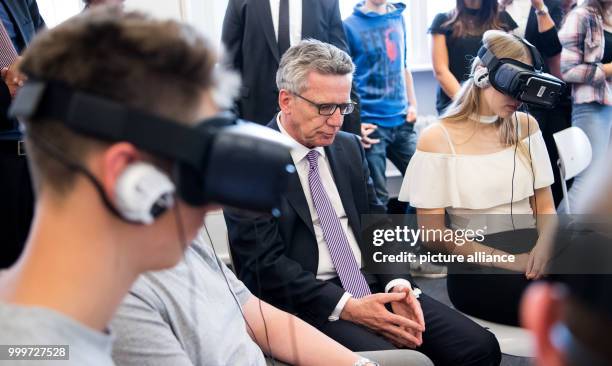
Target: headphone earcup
{"points": [[143, 192], [481, 77]]}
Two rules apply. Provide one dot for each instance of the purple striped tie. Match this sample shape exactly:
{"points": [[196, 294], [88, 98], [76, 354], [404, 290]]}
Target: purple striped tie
{"points": [[342, 256], [7, 50]]}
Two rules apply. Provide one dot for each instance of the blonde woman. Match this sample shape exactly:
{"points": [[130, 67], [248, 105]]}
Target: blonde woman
{"points": [[485, 165]]}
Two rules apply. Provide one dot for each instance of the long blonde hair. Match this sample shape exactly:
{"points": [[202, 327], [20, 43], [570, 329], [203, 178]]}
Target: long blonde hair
{"points": [[467, 101]]}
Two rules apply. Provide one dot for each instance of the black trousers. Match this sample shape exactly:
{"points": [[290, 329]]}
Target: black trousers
{"points": [[17, 207], [450, 338]]}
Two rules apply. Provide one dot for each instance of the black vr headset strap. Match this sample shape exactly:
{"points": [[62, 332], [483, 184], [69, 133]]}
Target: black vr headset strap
{"points": [[492, 62], [107, 120]]}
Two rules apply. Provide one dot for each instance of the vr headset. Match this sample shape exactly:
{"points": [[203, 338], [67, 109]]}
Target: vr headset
{"points": [[221, 160], [523, 82]]}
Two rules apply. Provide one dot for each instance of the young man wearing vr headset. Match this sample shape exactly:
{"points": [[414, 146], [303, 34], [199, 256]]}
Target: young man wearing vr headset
{"points": [[123, 175], [486, 165]]}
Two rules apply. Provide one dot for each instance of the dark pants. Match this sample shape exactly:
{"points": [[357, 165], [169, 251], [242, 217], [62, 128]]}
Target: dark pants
{"points": [[450, 338], [17, 206]]}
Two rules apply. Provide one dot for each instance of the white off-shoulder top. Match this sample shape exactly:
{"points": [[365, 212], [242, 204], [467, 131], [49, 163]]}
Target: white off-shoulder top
{"points": [[466, 184]]}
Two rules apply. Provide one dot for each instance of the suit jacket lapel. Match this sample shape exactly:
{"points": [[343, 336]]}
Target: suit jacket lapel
{"points": [[17, 14], [265, 17], [340, 167], [309, 19], [295, 193]]}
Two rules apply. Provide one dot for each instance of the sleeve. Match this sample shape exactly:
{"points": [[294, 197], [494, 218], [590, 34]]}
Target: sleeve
{"points": [[231, 34], [37, 19], [261, 262], [541, 161], [138, 315], [508, 24], [548, 42], [337, 37], [437, 25], [575, 35], [429, 182], [238, 288]]}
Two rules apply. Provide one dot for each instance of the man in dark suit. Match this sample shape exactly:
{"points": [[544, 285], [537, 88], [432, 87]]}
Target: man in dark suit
{"points": [[20, 21], [257, 32], [308, 261]]}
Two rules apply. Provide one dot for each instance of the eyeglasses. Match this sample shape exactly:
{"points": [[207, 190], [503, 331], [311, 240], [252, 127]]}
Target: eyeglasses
{"points": [[327, 109]]}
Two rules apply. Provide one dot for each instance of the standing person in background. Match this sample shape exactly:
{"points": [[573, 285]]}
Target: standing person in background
{"points": [[376, 35], [538, 21], [92, 3], [256, 33], [20, 20], [586, 63], [456, 38]]}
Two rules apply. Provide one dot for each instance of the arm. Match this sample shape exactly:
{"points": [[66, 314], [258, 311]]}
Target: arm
{"points": [[548, 38], [259, 254], [231, 34], [439, 56], [292, 340], [412, 108], [573, 67]]}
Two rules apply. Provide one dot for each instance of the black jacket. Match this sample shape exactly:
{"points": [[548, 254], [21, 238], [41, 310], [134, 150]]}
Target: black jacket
{"points": [[280, 255], [248, 36]]}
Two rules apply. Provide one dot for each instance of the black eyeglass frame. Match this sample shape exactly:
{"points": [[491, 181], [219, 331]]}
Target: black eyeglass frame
{"points": [[350, 105]]}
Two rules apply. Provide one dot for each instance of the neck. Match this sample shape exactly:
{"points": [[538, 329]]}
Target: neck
{"points": [[72, 266], [484, 109], [380, 9], [473, 4], [288, 127]]}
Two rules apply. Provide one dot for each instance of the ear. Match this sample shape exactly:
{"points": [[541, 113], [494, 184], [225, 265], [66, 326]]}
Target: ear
{"points": [[285, 99], [113, 162], [541, 309]]}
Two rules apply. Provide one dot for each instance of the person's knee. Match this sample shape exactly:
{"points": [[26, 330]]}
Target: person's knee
{"points": [[486, 350]]}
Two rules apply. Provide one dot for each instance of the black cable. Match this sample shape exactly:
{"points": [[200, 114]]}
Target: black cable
{"points": [[257, 278], [518, 138], [535, 198], [185, 245], [229, 287]]}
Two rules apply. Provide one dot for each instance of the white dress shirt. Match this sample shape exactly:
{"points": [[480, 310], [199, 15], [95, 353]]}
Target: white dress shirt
{"points": [[295, 20], [326, 269]]}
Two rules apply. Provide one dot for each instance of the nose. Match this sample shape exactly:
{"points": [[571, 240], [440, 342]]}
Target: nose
{"points": [[336, 119]]}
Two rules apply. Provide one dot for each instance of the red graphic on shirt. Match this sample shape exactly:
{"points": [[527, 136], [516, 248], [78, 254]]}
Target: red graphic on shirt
{"points": [[391, 45]]}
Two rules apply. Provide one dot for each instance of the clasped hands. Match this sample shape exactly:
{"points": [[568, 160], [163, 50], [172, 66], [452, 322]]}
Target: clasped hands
{"points": [[403, 327]]}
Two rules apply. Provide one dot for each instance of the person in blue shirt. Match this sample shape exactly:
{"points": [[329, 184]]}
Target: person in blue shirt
{"points": [[376, 35], [21, 20]]}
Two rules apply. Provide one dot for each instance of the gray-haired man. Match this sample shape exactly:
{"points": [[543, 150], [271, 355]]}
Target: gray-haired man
{"points": [[308, 261]]}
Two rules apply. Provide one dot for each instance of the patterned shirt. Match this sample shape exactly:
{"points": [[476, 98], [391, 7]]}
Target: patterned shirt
{"points": [[582, 37]]}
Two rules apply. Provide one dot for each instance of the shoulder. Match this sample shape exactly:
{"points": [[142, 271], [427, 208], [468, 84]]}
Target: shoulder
{"points": [[433, 139], [529, 125], [346, 139], [438, 22]]}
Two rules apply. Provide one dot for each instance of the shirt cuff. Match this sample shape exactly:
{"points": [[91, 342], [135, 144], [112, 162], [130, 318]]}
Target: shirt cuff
{"points": [[335, 315], [402, 282]]}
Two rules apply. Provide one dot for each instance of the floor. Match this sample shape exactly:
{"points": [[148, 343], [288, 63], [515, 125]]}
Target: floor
{"points": [[436, 288]]}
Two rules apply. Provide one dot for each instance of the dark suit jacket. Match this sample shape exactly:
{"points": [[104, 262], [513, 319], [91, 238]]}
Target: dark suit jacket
{"points": [[547, 43], [280, 257], [27, 21], [252, 49]]}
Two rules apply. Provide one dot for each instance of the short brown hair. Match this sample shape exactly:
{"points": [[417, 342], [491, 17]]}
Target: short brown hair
{"points": [[161, 67]]}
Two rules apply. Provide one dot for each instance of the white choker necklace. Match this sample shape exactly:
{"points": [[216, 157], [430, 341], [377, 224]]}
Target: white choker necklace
{"points": [[484, 119]]}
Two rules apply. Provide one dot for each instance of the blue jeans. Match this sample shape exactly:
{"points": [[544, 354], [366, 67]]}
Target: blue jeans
{"points": [[596, 121], [396, 143]]}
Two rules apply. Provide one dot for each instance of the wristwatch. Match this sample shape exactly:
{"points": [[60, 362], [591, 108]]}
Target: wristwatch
{"points": [[365, 362], [543, 10]]}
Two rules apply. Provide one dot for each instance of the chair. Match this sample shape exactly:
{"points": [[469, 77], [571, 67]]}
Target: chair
{"points": [[513, 341], [575, 155], [216, 231]]}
